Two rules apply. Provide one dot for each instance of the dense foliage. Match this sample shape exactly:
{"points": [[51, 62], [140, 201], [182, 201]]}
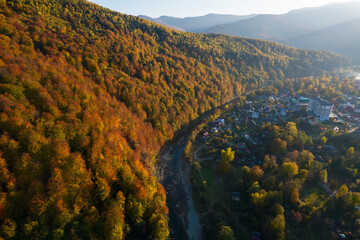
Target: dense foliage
{"points": [[88, 96]]}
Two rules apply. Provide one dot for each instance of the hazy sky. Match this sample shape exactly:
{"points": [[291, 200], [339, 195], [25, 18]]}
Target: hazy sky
{"points": [[186, 8]]}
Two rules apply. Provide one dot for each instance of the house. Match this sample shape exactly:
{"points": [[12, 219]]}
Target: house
{"points": [[214, 130], [267, 108], [283, 112], [303, 102], [220, 121], [336, 129], [330, 149], [348, 105], [255, 235], [321, 108], [235, 196], [255, 115]]}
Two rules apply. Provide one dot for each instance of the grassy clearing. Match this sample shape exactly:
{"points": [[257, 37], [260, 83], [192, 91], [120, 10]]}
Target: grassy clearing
{"points": [[314, 196]]}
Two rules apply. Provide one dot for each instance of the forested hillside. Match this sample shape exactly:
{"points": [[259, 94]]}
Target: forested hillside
{"points": [[88, 96]]}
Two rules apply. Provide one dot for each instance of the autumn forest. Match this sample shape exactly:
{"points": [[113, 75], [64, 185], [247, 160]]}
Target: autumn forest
{"points": [[88, 97]]}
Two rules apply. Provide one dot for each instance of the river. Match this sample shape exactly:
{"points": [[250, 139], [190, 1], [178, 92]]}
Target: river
{"points": [[173, 172], [175, 176]]}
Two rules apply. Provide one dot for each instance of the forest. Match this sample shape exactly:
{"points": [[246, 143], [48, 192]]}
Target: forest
{"points": [[88, 96]]}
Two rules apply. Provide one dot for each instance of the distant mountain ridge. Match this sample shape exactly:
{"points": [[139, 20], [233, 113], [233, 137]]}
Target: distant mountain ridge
{"points": [[293, 24], [197, 24], [343, 38], [295, 28], [161, 22]]}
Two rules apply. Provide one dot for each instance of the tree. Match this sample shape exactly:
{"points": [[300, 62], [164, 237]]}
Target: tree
{"points": [[323, 140], [8, 228], [296, 217], [226, 233], [350, 156], [269, 163], [114, 219], [306, 158], [294, 195], [291, 127], [245, 173], [277, 227], [277, 209], [289, 168], [256, 173], [342, 190], [278, 146], [255, 187], [303, 173], [259, 198], [226, 157], [324, 176]]}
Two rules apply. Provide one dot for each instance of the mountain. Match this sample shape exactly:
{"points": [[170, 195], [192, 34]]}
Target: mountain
{"points": [[300, 28], [295, 23], [88, 97], [343, 38], [268, 27], [325, 16], [197, 24], [160, 22]]}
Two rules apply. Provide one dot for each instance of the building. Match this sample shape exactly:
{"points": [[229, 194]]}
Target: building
{"points": [[303, 102], [321, 108], [255, 115], [283, 112]]}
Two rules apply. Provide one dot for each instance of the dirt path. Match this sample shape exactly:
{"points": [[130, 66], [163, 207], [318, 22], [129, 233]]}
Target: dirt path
{"points": [[196, 154]]}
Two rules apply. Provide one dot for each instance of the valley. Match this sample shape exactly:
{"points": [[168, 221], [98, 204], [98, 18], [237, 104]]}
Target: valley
{"points": [[100, 113]]}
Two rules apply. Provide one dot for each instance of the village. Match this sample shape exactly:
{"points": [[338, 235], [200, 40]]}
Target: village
{"points": [[241, 124], [241, 128]]}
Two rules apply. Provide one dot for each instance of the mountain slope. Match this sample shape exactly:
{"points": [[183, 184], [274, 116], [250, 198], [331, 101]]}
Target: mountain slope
{"points": [[198, 24], [292, 24], [343, 39], [88, 96], [269, 27]]}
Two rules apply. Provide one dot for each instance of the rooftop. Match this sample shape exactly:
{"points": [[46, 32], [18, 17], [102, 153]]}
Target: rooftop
{"points": [[321, 101]]}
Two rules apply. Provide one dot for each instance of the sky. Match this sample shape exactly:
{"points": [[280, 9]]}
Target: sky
{"points": [[188, 8]]}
